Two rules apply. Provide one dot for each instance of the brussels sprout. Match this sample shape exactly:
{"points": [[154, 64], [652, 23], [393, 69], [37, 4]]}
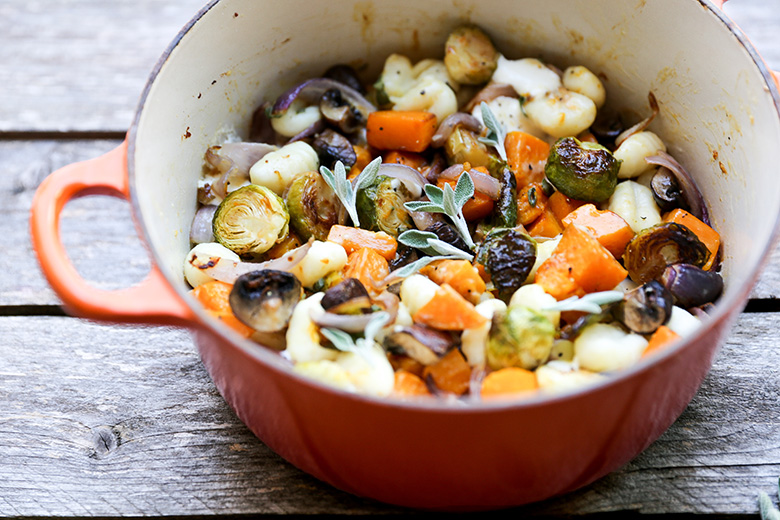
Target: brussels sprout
{"points": [[265, 299], [645, 308], [508, 256], [649, 252], [520, 337], [470, 56], [582, 170], [314, 207], [463, 146], [251, 220], [380, 206]]}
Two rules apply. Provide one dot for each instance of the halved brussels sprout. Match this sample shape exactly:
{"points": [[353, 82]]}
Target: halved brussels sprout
{"points": [[650, 251], [520, 337], [314, 207], [508, 256], [380, 206], [582, 170], [251, 220], [470, 56], [463, 146]]}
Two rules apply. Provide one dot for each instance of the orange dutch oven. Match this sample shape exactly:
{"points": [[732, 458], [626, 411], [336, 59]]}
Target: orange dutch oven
{"points": [[716, 95]]}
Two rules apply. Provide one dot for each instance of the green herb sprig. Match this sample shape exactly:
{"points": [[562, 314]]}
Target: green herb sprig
{"points": [[496, 134], [344, 342], [430, 244], [337, 180], [589, 303], [766, 508], [450, 202]]}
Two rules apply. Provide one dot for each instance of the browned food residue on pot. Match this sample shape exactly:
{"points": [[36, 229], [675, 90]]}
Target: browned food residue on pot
{"points": [[723, 169], [187, 134]]}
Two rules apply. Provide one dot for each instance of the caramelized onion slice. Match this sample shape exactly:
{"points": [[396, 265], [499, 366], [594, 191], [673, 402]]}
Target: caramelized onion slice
{"points": [[226, 270], [690, 191], [312, 90]]}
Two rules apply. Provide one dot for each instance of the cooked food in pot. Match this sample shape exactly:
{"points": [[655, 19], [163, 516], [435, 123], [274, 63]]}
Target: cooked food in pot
{"points": [[464, 228]]}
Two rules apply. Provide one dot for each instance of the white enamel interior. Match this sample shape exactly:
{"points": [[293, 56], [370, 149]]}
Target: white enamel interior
{"points": [[718, 117]]}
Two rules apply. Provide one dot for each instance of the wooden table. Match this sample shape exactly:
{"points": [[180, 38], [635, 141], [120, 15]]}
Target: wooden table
{"points": [[99, 420]]}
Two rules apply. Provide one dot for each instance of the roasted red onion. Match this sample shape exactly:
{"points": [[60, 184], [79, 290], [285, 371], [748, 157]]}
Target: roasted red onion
{"points": [[314, 128], [412, 179], [227, 271], [640, 126], [233, 161], [483, 182], [691, 193], [423, 220], [450, 122], [489, 93], [202, 230], [312, 90]]}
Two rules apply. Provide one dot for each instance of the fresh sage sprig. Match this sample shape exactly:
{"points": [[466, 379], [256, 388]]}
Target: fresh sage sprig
{"points": [[496, 133], [450, 202], [344, 342], [589, 303], [337, 180], [430, 244], [766, 508]]}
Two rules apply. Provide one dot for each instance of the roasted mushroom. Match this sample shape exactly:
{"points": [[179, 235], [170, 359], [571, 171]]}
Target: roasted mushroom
{"points": [[265, 300], [508, 256], [420, 343], [655, 248], [666, 190], [520, 337], [251, 220], [332, 147], [339, 113], [380, 206], [314, 207], [447, 233], [582, 170], [347, 297], [645, 308], [691, 286]]}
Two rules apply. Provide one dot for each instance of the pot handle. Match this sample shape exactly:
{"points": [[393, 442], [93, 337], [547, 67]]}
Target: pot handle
{"points": [[152, 301]]}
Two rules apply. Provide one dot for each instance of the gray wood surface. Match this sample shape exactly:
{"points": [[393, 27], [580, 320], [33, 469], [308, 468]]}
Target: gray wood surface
{"points": [[99, 420]]}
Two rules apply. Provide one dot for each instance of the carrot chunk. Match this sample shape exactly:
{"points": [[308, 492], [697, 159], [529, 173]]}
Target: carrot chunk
{"points": [[579, 265], [660, 339], [367, 266], [478, 206], [215, 298], [608, 227], [703, 232], [458, 274], [527, 156], [410, 131], [451, 373], [508, 381], [531, 202], [408, 384], [561, 205], [352, 239], [448, 310], [410, 159], [547, 225], [363, 157]]}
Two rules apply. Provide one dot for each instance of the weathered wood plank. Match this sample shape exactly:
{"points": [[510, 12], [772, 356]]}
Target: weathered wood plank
{"points": [[132, 425], [98, 231], [81, 65]]}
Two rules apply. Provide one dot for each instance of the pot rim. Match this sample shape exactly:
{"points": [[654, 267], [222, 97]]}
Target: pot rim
{"points": [[724, 309]]}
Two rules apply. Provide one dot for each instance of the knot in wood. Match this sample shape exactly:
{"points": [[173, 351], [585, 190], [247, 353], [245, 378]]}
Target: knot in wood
{"points": [[104, 441]]}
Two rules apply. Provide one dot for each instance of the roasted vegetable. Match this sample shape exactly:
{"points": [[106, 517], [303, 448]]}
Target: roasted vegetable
{"points": [[506, 206], [708, 236], [420, 343], [691, 286], [520, 337], [408, 130], [251, 220], [265, 299], [470, 56], [649, 252], [608, 227], [331, 147], [380, 206], [347, 297], [314, 207], [346, 75], [645, 308], [508, 256], [339, 113], [446, 233], [463, 146], [666, 190], [583, 171]]}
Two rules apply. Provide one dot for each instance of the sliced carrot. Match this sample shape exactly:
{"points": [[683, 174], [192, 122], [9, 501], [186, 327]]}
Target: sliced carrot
{"points": [[608, 227], [547, 225], [363, 158], [368, 266], [448, 310], [352, 239], [214, 296], [508, 381], [531, 202], [229, 319], [660, 339], [408, 384], [561, 205], [410, 131], [451, 373], [578, 265], [458, 274], [703, 232], [480, 205], [527, 156], [413, 160]]}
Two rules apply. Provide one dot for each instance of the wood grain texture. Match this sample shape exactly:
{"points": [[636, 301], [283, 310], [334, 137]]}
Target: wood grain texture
{"points": [[132, 425]]}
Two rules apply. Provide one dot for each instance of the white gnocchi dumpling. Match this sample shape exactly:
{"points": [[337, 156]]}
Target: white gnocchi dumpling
{"points": [[581, 80], [322, 259], [277, 169], [562, 112], [510, 114], [303, 335], [200, 255], [533, 296], [474, 341], [296, 119], [416, 291], [528, 76], [633, 152], [554, 378], [429, 94], [603, 348], [635, 203]]}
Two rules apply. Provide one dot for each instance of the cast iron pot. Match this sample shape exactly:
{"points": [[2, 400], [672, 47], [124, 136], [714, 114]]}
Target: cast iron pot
{"points": [[715, 93]]}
